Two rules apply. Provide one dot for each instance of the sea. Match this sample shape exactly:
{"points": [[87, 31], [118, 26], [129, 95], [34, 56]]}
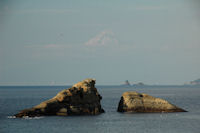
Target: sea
{"points": [[15, 98]]}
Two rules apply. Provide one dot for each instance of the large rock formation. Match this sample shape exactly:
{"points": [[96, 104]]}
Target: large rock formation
{"points": [[141, 103], [81, 99]]}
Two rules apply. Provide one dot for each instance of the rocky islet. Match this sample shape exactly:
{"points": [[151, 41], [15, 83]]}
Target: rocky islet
{"points": [[143, 103], [84, 99], [81, 99]]}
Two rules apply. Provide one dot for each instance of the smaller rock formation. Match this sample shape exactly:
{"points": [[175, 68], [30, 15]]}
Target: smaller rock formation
{"points": [[81, 99], [139, 84], [143, 103], [126, 84], [195, 82]]}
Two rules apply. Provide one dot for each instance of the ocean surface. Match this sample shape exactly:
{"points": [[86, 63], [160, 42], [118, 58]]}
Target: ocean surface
{"points": [[16, 98]]}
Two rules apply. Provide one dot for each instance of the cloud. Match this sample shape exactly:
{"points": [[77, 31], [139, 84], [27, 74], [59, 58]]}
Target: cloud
{"points": [[46, 51], [49, 46], [104, 38], [49, 11], [149, 8], [35, 11]]}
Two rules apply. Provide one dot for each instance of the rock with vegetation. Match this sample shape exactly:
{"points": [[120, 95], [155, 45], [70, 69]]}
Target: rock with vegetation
{"points": [[143, 103], [81, 99]]}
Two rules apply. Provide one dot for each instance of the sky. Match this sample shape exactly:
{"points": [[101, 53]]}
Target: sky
{"points": [[61, 42]]}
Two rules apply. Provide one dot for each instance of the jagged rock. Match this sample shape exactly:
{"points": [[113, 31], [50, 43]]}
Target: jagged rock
{"points": [[126, 83], [141, 103], [81, 99]]}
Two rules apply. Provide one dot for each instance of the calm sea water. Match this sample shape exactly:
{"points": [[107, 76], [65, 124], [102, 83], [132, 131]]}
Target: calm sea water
{"points": [[14, 99]]}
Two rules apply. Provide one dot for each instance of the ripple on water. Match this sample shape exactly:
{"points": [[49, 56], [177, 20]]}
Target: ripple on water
{"points": [[25, 117]]}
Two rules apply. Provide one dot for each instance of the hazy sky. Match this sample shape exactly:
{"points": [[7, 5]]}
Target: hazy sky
{"points": [[64, 41]]}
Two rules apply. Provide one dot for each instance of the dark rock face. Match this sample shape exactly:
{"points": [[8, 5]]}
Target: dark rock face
{"points": [[143, 103], [82, 99]]}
